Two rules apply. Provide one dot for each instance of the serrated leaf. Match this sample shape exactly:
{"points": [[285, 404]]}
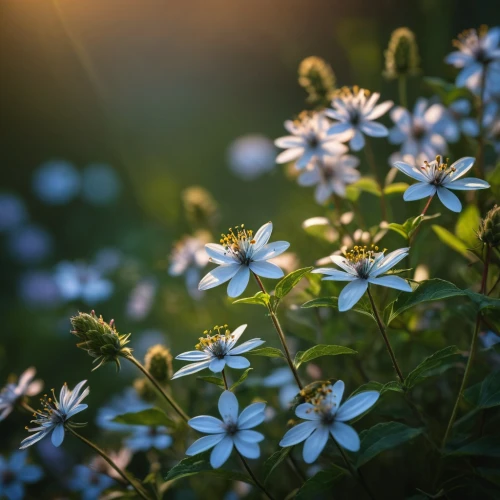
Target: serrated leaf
{"points": [[321, 482], [290, 281], [450, 240], [200, 463], [333, 302], [435, 364], [321, 350], [396, 188], [486, 394], [241, 379], [383, 437], [260, 298], [211, 380], [274, 460], [268, 352], [486, 446], [151, 416]]}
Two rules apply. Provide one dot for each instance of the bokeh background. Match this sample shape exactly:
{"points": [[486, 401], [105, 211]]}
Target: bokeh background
{"points": [[111, 109]]}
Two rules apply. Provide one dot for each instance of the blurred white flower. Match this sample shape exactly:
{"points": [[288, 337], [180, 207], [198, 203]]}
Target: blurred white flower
{"points": [[141, 299], [251, 155], [56, 182], [14, 392]]}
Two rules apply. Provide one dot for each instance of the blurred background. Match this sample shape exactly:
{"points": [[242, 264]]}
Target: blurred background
{"points": [[112, 109]]}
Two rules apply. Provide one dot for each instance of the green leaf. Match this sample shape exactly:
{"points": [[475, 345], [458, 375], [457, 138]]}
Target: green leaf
{"points": [[274, 460], [241, 379], [467, 224], [321, 482], [383, 437], [451, 240], [152, 416], [211, 380], [409, 227], [393, 386], [259, 298], [396, 188], [333, 302], [446, 91], [268, 352], [368, 185], [435, 364], [398, 228], [486, 394], [200, 463], [482, 301], [486, 446], [321, 350], [290, 281]]}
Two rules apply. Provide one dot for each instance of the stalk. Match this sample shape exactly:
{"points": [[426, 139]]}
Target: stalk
{"points": [[371, 162]]}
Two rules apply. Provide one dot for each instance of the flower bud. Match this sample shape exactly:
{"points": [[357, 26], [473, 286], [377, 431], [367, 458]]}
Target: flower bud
{"points": [[199, 205], [100, 339], [401, 56], [489, 228], [158, 361], [145, 389], [316, 76]]}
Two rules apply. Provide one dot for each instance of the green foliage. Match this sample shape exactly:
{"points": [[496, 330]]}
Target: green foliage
{"points": [[450, 240], [211, 380], [445, 90], [274, 461], [320, 350], [323, 481], [268, 352], [152, 416], [242, 379], [467, 225], [290, 281], [260, 298], [486, 394], [392, 386], [486, 446], [333, 302], [408, 228]]}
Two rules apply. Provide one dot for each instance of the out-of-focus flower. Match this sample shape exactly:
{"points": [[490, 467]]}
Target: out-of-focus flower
{"points": [[188, 257], [288, 261], [282, 378], [421, 273], [101, 184], [355, 111], [88, 482], [56, 182], [215, 351], [200, 206], [80, 281], [29, 244], [489, 339], [309, 141], [325, 415], [38, 289], [436, 177], [12, 211], [251, 155], [362, 267], [141, 299], [489, 228], [317, 78], [417, 133], [456, 121], [15, 473], [121, 458], [146, 437], [108, 260], [330, 176], [401, 56], [239, 253], [56, 413], [14, 392], [232, 430]]}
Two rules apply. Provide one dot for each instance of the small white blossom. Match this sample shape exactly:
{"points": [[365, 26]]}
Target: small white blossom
{"points": [[250, 156], [232, 430], [362, 267], [325, 416], [215, 351], [14, 392]]}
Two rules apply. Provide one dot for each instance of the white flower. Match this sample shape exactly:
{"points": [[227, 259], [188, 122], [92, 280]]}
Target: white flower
{"points": [[325, 415], [14, 392], [331, 176], [436, 177], [362, 267], [215, 351], [418, 132], [251, 155], [55, 415], [239, 253], [309, 141], [232, 430], [355, 111]]}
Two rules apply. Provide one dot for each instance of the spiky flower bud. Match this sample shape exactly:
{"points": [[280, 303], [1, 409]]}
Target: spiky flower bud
{"points": [[489, 228], [158, 361], [401, 56], [100, 339], [199, 205], [316, 76], [145, 389]]}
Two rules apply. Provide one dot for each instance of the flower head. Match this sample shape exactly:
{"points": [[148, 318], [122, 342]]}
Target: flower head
{"points": [[232, 430], [14, 391], [438, 177], [239, 252], [216, 350], [401, 56], [309, 140], [56, 413], [362, 266], [355, 109], [317, 78], [158, 362], [325, 415], [14, 473], [146, 437], [251, 155]]}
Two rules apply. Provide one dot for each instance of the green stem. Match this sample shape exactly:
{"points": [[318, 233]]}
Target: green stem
{"points": [[281, 335], [103, 454], [403, 101], [225, 380], [373, 166], [424, 211], [471, 352], [254, 477], [382, 329], [160, 389]]}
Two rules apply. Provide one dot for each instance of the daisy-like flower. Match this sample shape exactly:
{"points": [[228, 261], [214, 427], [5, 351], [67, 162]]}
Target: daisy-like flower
{"points": [[331, 176], [309, 140], [436, 177], [355, 111], [418, 132], [15, 473], [216, 350], [56, 413], [232, 430], [325, 415], [239, 252], [362, 267], [14, 392]]}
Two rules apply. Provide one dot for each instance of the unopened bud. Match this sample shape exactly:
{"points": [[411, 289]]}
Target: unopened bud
{"points": [[401, 56], [317, 78], [145, 389], [489, 228], [158, 361]]}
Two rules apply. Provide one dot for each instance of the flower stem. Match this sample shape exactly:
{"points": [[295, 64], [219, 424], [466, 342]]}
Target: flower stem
{"points": [[281, 335], [424, 211], [382, 329], [137, 487], [471, 352], [160, 389], [254, 477], [225, 380], [403, 101], [373, 166]]}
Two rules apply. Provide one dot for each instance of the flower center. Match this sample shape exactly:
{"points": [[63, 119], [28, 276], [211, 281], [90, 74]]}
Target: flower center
{"points": [[361, 259], [418, 131], [231, 428], [313, 141], [238, 243], [324, 404], [8, 477], [437, 171], [216, 344]]}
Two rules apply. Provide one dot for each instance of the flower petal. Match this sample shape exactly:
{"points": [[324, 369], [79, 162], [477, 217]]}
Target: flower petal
{"points": [[418, 191], [266, 269], [76, 409], [391, 282], [34, 438], [217, 365], [356, 405], [412, 172], [252, 416], [57, 435], [204, 444], [449, 199], [340, 128], [289, 155], [342, 262], [315, 444], [357, 142], [192, 368], [270, 250], [462, 166], [351, 293], [228, 407], [345, 436], [470, 183], [221, 452], [246, 346], [239, 282], [251, 436], [374, 129], [306, 411], [246, 448], [218, 254], [299, 433], [262, 236], [236, 334], [379, 110], [193, 356], [237, 362], [289, 141], [206, 424], [218, 276], [334, 274], [389, 261]]}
